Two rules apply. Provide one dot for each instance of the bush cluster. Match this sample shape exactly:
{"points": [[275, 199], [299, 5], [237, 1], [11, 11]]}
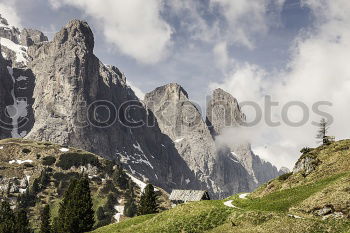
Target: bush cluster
{"points": [[69, 160]]}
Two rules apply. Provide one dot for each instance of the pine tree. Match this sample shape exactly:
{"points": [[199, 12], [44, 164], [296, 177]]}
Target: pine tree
{"points": [[120, 178], [35, 187], [76, 214], [130, 207], [84, 205], [322, 132], [45, 220], [148, 202], [44, 179], [7, 218], [100, 213], [22, 222]]}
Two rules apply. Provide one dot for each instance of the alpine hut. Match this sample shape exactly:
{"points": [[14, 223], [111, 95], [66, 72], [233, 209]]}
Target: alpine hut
{"points": [[179, 196]]}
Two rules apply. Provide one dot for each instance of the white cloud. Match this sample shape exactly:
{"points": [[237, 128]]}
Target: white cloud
{"points": [[318, 71], [222, 59], [246, 18], [135, 27], [8, 11]]}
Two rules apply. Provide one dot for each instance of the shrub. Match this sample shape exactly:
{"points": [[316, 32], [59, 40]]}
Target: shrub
{"points": [[60, 176], [28, 165], [108, 187], [48, 160], [305, 150], [285, 176], [69, 160], [26, 151]]}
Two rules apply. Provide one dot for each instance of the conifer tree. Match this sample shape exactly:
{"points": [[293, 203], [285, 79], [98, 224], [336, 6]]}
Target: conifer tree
{"points": [[7, 218], [45, 226], [120, 178], [322, 132], [130, 207], [63, 222], [148, 201], [22, 222], [76, 214]]}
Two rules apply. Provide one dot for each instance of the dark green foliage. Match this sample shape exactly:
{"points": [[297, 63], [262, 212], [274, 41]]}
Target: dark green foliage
{"points": [[130, 207], [112, 200], [45, 220], [44, 179], [120, 178], [305, 150], [108, 187], [26, 199], [28, 165], [35, 187], [69, 160], [55, 228], [148, 201], [100, 213], [58, 176], [285, 176], [109, 167], [76, 214], [22, 222], [26, 151], [48, 160], [7, 218]]}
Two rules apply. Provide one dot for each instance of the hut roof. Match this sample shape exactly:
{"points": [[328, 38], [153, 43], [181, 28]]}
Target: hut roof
{"points": [[187, 195]]}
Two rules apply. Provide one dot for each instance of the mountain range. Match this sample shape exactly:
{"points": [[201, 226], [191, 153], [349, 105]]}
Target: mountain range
{"points": [[58, 91]]}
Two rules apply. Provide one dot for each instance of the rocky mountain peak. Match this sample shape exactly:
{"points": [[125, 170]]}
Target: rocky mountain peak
{"points": [[32, 36], [223, 111], [76, 33], [171, 91], [3, 21]]}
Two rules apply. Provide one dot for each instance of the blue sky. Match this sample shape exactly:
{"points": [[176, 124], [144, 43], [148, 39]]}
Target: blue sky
{"points": [[287, 49], [194, 68]]}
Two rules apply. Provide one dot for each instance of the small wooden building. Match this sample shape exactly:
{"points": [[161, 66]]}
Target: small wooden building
{"points": [[179, 196]]}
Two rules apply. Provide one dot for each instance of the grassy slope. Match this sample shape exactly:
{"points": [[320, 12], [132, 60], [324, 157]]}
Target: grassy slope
{"points": [[13, 149], [269, 207]]}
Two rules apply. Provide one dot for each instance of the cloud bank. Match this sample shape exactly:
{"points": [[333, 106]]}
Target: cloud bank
{"points": [[318, 71], [135, 28]]}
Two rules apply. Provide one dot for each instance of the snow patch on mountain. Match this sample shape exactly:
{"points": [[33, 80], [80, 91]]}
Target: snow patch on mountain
{"points": [[139, 183], [19, 50]]}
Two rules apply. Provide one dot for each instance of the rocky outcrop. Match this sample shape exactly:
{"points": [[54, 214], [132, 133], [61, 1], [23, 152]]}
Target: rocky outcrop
{"points": [[224, 114], [8, 31], [223, 111], [180, 119], [5, 98], [217, 166], [32, 36], [306, 164]]}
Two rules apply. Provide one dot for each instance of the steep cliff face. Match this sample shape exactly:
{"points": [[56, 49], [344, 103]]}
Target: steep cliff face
{"points": [[16, 84], [179, 118], [5, 98], [181, 121], [69, 97], [89, 105], [224, 113]]}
